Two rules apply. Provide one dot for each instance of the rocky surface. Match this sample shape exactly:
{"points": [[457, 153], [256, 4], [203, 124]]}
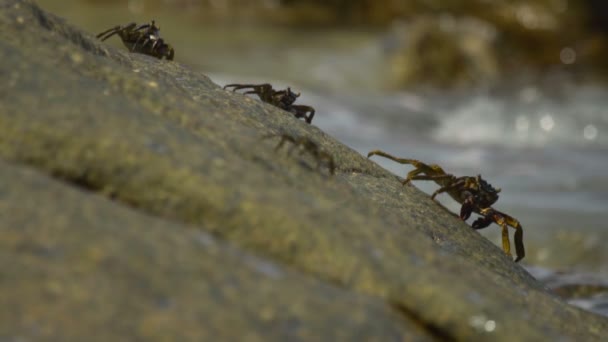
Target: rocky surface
{"points": [[140, 201]]}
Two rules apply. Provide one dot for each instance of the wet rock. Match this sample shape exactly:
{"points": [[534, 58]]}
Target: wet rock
{"points": [[186, 166]]}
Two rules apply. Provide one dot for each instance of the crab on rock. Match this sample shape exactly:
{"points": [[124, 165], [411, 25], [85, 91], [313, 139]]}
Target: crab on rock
{"points": [[473, 193], [143, 39], [283, 99], [305, 144]]}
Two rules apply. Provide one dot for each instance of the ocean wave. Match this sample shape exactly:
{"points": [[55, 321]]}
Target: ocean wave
{"points": [[580, 118]]}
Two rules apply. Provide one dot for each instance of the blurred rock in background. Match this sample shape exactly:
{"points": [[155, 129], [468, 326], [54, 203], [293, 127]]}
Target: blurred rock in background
{"points": [[441, 43]]}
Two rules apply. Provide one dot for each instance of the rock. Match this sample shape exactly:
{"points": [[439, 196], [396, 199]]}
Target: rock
{"points": [[85, 268], [443, 51], [141, 201]]}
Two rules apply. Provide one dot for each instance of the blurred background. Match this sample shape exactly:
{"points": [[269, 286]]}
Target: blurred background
{"points": [[513, 90]]}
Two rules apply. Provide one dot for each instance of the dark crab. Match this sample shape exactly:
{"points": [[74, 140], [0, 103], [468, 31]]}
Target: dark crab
{"points": [[143, 39], [283, 99], [474, 194], [307, 145]]}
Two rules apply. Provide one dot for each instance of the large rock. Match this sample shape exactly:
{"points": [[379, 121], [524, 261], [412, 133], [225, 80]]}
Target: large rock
{"points": [[159, 210], [75, 266]]}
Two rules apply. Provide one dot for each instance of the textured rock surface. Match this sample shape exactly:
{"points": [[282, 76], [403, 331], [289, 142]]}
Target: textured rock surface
{"points": [[85, 268], [138, 161]]}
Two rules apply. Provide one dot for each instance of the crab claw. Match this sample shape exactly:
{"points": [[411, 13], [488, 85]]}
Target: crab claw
{"points": [[291, 92], [170, 53], [492, 215], [482, 222], [468, 205], [466, 210]]}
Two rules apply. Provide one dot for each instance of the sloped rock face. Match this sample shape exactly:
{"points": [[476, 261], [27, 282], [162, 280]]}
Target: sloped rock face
{"points": [[76, 266], [141, 201]]}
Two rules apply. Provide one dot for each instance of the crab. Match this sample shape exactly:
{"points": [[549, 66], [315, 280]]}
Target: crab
{"points": [[143, 39], [474, 194], [307, 145], [283, 99]]}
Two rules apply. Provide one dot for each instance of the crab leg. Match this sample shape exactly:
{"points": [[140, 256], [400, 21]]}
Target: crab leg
{"points": [[468, 205], [261, 93], [284, 92], [115, 30], [155, 32], [420, 167], [414, 162], [145, 41], [492, 215], [301, 110], [506, 244], [143, 26], [255, 87], [264, 91], [155, 43], [451, 185], [518, 236]]}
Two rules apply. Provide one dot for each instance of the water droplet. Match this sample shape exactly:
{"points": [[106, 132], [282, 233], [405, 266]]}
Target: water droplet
{"points": [[527, 17], [567, 55], [482, 324], [590, 132], [153, 84], [546, 122], [490, 326]]}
